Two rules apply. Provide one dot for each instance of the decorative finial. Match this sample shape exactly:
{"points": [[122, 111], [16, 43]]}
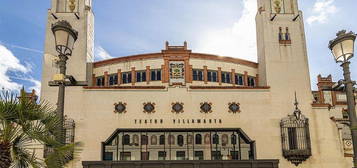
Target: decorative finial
{"points": [[297, 111], [340, 33]]}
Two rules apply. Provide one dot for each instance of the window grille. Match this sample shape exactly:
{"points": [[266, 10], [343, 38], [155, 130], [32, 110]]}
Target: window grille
{"points": [[126, 77], [226, 77], [156, 75], [251, 81], [239, 79], [100, 81], [197, 74], [212, 76], [69, 130], [113, 79], [141, 76], [295, 137]]}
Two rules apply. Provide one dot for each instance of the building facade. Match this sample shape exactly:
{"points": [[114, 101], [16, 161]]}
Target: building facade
{"points": [[179, 108]]}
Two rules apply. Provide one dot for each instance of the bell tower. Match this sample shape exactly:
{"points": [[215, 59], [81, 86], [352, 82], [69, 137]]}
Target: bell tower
{"points": [[282, 54], [79, 14]]}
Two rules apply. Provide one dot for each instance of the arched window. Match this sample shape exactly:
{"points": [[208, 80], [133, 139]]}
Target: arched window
{"points": [[215, 139], [234, 139], [162, 140], [126, 139], [144, 140], [198, 139], [180, 140]]}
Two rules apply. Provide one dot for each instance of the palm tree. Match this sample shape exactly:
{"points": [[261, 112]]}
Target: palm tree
{"points": [[23, 122]]}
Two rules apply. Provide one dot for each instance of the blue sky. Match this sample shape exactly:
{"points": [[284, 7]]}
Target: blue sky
{"points": [[126, 27]]}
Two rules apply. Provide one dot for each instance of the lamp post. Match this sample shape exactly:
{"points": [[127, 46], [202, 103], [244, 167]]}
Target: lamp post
{"points": [[342, 49], [65, 38]]}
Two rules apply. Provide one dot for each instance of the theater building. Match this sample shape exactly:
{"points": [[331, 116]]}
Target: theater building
{"points": [[179, 108]]}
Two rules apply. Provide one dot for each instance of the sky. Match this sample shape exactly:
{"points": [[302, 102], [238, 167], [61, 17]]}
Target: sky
{"points": [[127, 27]]}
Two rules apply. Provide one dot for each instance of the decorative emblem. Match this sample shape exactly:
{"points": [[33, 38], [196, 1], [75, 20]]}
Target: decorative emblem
{"points": [[120, 107], [234, 107], [177, 107], [149, 107], [72, 6], [277, 6], [206, 107], [177, 70]]}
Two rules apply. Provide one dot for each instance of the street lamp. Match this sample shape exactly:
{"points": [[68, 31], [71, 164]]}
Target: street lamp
{"points": [[65, 38], [342, 49]]}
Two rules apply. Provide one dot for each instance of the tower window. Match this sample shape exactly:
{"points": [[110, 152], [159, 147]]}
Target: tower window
{"points": [[126, 77], [197, 74], [141, 76], [180, 155], [198, 139], [156, 75], [287, 34], [215, 139], [126, 139], [113, 79], [226, 77], [162, 140], [180, 140], [100, 81], [212, 76]]}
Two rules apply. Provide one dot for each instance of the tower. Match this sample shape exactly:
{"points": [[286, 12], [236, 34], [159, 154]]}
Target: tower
{"points": [[282, 54], [79, 14]]}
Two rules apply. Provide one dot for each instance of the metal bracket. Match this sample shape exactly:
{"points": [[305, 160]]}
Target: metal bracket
{"points": [[272, 19], [296, 17], [68, 83]]}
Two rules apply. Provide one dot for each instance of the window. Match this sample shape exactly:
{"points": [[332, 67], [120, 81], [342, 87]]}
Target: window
{"points": [[126, 77], [239, 79], [197, 74], [100, 81], [235, 155], [198, 155], [198, 139], [234, 139], [251, 81], [162, 140], [141, 76], [292, 138], [126, 139], [215, 139], [108, 155], [144, 140], [145, 155], [125, 155], [216, 155], [161, 155], [180, 155], [156, 75], [226, 77], [113, 79], [180, 140], [212, 76]]}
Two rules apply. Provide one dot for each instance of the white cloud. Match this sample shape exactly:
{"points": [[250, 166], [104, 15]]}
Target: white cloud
{"points": [[36, 86], [321, 11], [101, 54], [239, 40], [8, 62]]}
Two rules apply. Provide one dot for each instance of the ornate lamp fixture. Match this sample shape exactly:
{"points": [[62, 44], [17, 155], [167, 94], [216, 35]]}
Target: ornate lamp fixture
{"points": [[149, 107], [206, 107], [295, 136], [120, 107], [177, 107], [234, 107]]}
